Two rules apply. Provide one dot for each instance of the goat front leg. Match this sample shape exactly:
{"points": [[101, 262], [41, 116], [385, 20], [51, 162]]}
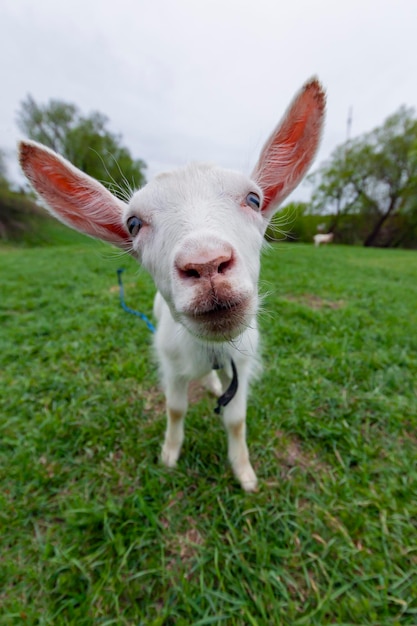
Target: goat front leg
{"points": [[176, 408], [235, 423]]}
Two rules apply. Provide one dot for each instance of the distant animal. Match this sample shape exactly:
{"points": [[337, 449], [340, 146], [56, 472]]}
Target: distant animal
{"points": [[323, 238], [199, 231]]}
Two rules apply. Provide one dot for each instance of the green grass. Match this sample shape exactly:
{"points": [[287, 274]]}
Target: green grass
{"points": [[94, 531]]}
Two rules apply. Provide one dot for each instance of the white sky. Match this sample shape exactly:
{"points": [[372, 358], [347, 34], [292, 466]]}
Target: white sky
{"points": [[186, 80]]}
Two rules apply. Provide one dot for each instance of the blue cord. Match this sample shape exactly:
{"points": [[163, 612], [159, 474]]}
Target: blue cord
{"points": [[128, 309]]}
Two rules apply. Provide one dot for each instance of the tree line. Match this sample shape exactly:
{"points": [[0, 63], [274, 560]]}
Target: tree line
{"points": [[85, 140], [368, 187], [365, 193]]}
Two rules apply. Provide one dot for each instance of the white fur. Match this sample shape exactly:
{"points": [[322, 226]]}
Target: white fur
{"points": [[195, 213], [323, 238], [200, 238]]}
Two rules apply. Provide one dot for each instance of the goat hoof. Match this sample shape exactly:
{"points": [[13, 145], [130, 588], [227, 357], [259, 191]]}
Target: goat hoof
{"points": [[250, 486], [169, 456], [248, 480]]}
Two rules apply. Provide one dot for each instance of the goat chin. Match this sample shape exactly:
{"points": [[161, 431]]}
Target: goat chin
{"points": [[199, 232], [219, 321]]}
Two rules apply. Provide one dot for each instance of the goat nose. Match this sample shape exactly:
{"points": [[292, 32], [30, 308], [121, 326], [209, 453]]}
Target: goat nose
{"points": [[204, 265]]}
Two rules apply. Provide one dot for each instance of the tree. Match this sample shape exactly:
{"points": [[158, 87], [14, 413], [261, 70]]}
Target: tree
{"points": [[372, 179], [83, 140]]}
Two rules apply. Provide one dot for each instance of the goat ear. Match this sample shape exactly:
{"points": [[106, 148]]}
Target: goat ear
{"points": [[73, 197], [289, 151]]}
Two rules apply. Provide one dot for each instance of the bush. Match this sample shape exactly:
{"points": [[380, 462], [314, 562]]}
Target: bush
{"points": [[294, 224], [17, 211]]}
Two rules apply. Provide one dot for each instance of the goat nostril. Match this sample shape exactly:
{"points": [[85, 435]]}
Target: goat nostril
{"points": [[188, 272], [224, 266], [203, 267], [191, 273]]}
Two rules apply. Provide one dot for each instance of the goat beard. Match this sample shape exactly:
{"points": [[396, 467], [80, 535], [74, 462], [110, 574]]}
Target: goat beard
{"points": [[218, 320]]}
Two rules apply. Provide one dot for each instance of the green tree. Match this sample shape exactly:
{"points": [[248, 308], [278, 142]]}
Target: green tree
{"points": [[85, 140], [372, 179]]}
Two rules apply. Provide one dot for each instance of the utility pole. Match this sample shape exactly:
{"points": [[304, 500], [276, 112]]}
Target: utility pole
{"points": [[339, 199], [349, 123]]}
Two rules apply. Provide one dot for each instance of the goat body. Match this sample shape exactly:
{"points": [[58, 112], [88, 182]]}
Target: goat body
{"points": [[323, 238], [199, 232]]}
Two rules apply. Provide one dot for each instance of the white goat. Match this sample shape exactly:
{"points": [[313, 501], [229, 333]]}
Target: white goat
{"points": [[323, 238], [199, 231]]}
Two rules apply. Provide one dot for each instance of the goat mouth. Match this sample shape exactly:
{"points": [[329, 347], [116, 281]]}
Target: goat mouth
{"points": [[218, 310], [220, 319]]}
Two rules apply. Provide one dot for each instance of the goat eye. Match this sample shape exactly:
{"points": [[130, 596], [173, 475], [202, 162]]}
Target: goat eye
{"points": [[253, 200], [134, 224]]}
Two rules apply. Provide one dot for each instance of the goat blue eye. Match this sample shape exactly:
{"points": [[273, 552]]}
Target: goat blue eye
{"points": [[253, 200], [134, 224]]}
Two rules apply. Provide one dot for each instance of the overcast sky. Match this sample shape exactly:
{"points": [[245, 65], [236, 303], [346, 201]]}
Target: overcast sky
{"points": [[186, 80]]}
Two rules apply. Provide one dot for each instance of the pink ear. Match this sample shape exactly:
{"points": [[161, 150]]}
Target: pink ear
{"points": [[73, 197], [290, 150]]}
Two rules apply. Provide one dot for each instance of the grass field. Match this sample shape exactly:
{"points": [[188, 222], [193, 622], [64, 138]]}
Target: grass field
{"points": [[94, 531]]}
